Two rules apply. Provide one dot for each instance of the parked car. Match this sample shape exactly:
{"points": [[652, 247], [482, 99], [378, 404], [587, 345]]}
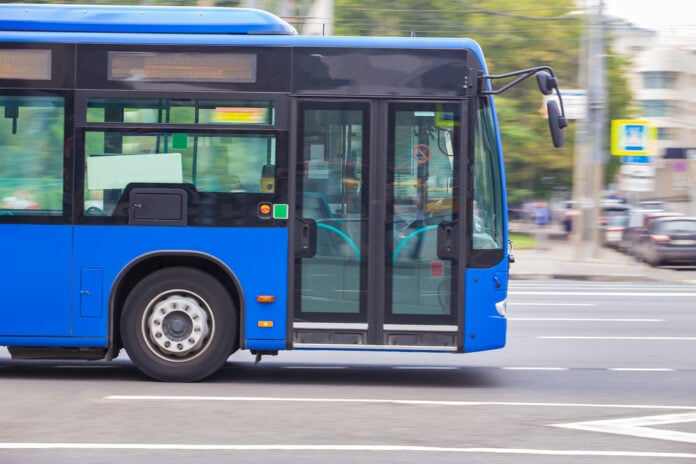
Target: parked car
{"points": [[638, 222], [669, 240], [613, 219], [612, 230]]}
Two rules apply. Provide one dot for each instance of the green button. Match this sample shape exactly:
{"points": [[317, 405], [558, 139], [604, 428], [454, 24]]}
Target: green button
{"points": [[280, 211]]}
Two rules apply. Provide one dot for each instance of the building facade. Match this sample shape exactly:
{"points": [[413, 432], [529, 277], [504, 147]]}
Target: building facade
{"points": [[663, 83]]}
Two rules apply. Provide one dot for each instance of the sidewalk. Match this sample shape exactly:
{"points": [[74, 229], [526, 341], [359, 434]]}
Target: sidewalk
{"points": [[563, 260]]}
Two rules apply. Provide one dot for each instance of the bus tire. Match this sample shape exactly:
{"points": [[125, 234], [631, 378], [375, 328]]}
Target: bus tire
{"points": [[179, 325]]}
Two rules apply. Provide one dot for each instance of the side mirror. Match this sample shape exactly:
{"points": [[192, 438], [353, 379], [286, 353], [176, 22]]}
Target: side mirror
{"points": [[546, 82], [556, 123]]}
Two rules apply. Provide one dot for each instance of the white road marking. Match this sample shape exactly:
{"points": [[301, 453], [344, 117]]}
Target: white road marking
{"points": [[636, 427], [642, 369], [361, 448], [639, 294], [580, 319], [387, 401], [535, 368], [419, 368], [619, 369], [596, 284], [513, 303], [315, 367], [554, 337]]}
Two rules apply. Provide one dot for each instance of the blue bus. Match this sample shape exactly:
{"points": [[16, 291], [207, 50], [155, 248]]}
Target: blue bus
{"points": [[183, 183]]}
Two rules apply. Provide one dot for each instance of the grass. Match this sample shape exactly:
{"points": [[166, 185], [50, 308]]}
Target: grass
{"points": [[521, 241]]}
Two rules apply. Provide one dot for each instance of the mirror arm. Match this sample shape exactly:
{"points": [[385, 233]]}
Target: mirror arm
{"points": [[523, 74]]}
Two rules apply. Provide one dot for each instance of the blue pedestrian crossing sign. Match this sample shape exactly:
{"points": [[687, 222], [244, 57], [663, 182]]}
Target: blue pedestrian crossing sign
{"points": [[630, 137], [636, 159]]}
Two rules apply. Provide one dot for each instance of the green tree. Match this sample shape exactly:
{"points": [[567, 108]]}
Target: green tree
{"points": [[513, 36]]}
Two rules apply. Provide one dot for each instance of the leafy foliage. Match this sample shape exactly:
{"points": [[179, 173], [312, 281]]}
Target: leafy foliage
{"points": [[513, 36]]}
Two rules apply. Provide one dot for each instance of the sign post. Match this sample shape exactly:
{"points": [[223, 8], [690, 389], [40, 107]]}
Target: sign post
{"points": [[632, 140], [630, 137]]}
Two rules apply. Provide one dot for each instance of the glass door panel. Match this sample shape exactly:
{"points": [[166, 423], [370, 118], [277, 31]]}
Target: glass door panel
{"points": [[332, 191], [420, 197]]}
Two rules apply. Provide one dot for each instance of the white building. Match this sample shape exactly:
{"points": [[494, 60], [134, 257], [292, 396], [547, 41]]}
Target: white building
{"points": [[663, 82]]}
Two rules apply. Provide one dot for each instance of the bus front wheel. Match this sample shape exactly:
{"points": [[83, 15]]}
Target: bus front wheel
{"points": [[179, 324]]}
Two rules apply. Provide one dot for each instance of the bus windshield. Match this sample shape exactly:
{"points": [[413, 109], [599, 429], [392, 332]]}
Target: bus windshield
{"points": [[488, 231]]}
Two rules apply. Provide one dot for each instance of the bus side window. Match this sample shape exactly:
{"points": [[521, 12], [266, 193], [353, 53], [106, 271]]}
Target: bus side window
{"points": [[31, 180]]}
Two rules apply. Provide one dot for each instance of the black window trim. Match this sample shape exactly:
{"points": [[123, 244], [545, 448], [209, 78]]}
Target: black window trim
{"points": [[280, 104]]}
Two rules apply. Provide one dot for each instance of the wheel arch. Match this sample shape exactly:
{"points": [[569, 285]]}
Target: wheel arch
{"points": [[143, 265]]}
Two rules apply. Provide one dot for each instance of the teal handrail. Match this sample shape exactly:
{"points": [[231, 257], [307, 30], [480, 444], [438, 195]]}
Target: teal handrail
{"points": [[409, 237], [341, 234], [356, 250]]}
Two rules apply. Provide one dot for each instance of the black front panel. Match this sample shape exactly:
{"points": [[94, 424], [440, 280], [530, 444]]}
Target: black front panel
{"points": [[385, 72]]}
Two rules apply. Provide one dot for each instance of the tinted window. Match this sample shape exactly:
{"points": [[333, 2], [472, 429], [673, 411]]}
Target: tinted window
{"points": [[360, 71]]}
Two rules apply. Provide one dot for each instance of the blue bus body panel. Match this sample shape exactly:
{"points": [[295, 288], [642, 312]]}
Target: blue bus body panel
{"points": [[48, 302], [36, 281], [484, 328], [140, 19], [257, 258]]}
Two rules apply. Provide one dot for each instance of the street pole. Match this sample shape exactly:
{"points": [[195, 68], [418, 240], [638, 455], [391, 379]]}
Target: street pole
{"points": [[590, 156], [580, 188], [597, 116]]}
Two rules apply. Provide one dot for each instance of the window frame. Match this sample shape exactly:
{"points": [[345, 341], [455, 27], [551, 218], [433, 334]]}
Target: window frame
{"points": [[280, 106], [248, 200], [279, 129]]}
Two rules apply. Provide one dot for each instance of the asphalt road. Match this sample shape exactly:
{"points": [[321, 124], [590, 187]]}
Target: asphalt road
{"points": [[593, 372]]}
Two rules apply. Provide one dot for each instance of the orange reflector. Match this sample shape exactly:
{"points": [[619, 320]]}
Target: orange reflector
{"points": [[266, 324], [265, 298]]}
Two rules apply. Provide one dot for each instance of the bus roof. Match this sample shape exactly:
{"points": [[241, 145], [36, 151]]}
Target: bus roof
{"points": [[178, 25], [140, 19]]}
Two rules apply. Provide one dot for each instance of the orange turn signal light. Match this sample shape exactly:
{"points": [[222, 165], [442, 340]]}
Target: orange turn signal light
{"points": [[266, 324], [265, 210], [265, 298]]}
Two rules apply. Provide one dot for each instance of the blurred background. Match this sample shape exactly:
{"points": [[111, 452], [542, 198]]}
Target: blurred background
{"points": [[617, 60]]}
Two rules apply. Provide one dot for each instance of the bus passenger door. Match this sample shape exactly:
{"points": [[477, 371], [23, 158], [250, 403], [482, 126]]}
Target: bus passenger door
{"points": [[422, 233], [332, 197], [375, 193]]}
